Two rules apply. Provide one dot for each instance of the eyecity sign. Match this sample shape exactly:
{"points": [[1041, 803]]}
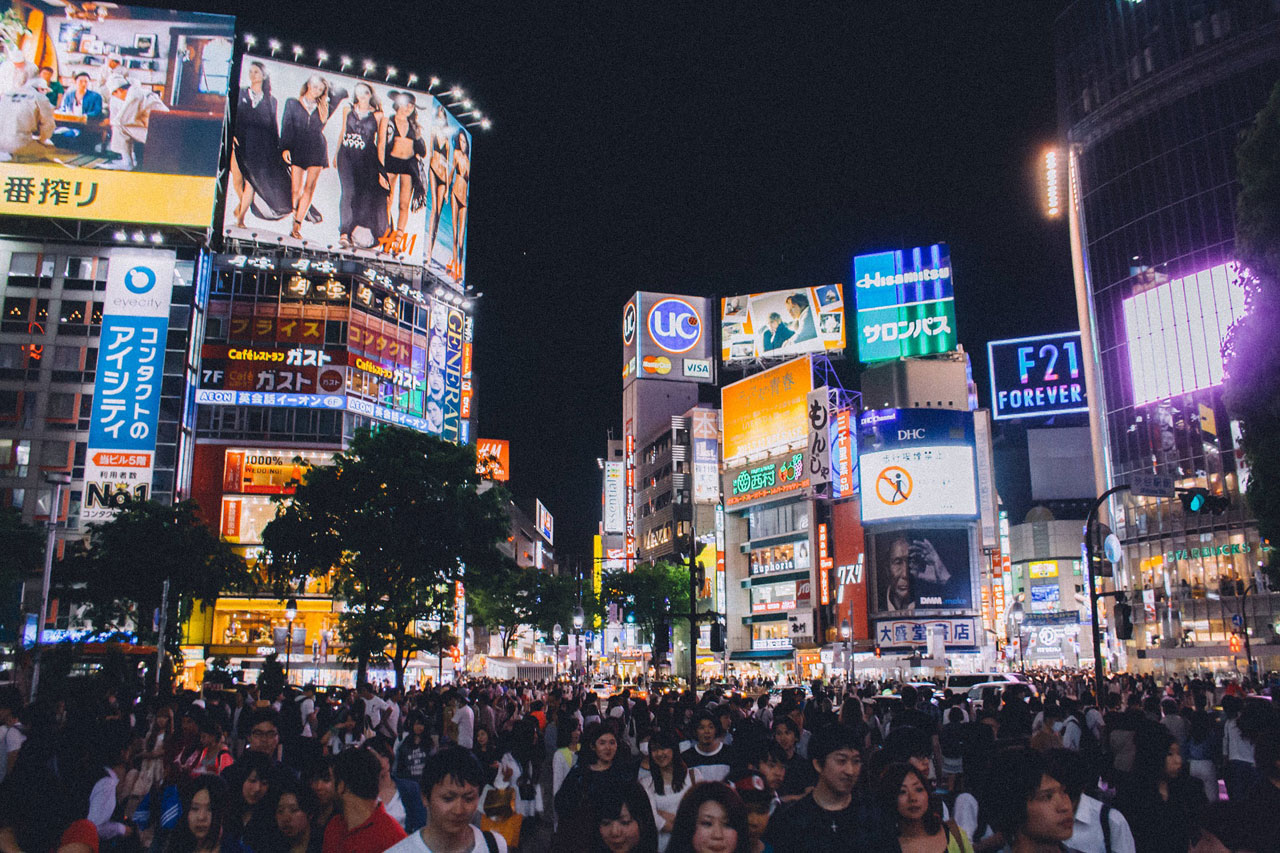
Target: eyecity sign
{"points": [[1036, 376]]}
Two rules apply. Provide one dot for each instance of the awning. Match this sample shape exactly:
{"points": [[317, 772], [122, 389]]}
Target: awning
{"points": [[763, 654]]}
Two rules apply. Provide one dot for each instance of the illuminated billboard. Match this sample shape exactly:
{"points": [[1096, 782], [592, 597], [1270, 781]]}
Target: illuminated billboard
{"points": [[905, 303], [615, 500], [348, 164], [920, 569], [262, 471], [917, 463], [766, 413], [544, 522], [128, 125], [667, 337], [493, 459], [120, 457], [1038, 376], [706, 456], [782, 323], [1175, 332]]}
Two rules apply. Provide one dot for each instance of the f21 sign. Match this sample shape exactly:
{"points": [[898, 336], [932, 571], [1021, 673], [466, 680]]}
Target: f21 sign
{"points": [[1036, 377]]}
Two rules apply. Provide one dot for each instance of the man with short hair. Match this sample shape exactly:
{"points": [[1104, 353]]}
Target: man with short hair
{"points": [[800, 777], [830, 817], [451, 785], [361, 825], [1098, 827], [263, 737], [462, 721], [707, 753], [1030, 807]]}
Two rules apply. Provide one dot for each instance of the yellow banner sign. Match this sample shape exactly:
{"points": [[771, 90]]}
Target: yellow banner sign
{"points": [[106, 194]]}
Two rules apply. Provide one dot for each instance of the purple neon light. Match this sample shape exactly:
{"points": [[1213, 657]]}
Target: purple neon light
{"points": [[1176, 329]]}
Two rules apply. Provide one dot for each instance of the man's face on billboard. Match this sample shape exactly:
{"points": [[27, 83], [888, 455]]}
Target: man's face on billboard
{"points": [[899, 575]]}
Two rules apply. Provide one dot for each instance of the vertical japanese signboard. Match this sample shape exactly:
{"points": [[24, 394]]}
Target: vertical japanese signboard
{"points": [[817, 457], [615, 499], [126, 393], [706, 456]]}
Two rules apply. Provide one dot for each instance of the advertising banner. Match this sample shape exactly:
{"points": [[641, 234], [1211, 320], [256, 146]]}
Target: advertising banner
{"points": [[349, 163], [765, 413], [817, 455], [988, 500], [667, 337], [268, 471], [917, 463], [956, 633], [844, 458], [282, 369], [127, 127], [1036, 377], [905, 303], [706, 456], [922, 569], [849, 553], [615, 498], [767, 480], [544, 522], [126, 393], [782, 323], [493, 459]]}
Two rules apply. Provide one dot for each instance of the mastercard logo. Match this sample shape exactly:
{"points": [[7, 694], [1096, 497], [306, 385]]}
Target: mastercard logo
{"points": [[658, 364]]}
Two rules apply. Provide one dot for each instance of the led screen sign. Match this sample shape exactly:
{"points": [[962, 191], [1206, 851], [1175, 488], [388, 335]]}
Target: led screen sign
{"points": [[917, 463], [922, 568], [782, 323], [667, 337], [1036, 377], [768, 480], [493, 459], [331, 126], [544, 522], [129, 127], [905, 303], [1176, 329]]}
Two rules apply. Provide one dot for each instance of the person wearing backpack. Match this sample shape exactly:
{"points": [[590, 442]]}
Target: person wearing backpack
{"points": [[1098, 828], [451, 785]]}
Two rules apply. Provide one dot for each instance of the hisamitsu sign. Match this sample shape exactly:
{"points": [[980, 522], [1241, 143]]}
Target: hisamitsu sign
{"points": [[1036, 377]]}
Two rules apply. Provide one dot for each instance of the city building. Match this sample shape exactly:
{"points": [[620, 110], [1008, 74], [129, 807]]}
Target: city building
{"points": [[1152, 98]]}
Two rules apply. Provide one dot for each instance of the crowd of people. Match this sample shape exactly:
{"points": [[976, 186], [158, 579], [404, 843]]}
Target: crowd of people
{"points": [[1186, 765]]}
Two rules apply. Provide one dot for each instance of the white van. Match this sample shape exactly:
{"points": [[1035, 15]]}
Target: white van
{"points": [[960, 683]]}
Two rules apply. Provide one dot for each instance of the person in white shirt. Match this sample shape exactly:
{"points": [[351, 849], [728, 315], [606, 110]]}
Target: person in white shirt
{"points": [[1089, 834], [11, 736], [464, 724], [131, 106], [667, 783], [375, 707], [26, 122], [102, 799], [451, 785]]}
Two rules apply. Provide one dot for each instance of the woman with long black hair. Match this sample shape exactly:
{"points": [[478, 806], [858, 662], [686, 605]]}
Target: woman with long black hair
{"points": [[257, 172], [459, 181], [361, 171], [206, 825], [667, 782], [302, 143], [1160, 800], [405, 149], [438, 174]]}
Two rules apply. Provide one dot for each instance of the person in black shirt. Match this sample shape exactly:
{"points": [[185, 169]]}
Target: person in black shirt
{"points": [[836, 814], [708, 754]]}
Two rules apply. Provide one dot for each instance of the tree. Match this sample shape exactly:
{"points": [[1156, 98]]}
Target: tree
{"points": [[524, 598], [23, 547], [1252, 351], [656, 593], [122, 570], [398, 521]]}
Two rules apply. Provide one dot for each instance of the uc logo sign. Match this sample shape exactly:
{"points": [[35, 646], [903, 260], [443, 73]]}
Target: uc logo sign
{"points": [[140, 280], [674, 325], [629, 324]]}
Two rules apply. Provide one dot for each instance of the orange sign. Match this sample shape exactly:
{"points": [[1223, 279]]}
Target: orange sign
{"points": [[766, 412], [493, 459]]}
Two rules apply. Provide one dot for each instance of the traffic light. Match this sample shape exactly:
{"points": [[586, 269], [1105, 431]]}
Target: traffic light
{"points": [[878, 653], [661, 643], [717, 637], [1202, 500], [1123, 619], [1235, 643]]}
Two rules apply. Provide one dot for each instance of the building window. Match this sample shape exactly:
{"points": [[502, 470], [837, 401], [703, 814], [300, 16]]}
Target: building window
{"points": [[62, 406]]}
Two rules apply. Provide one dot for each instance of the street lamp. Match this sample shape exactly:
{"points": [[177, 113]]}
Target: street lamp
{"points": [[556, 633], [617, 658], [579, 619], [290, 613], [59, 480], [846, 633]]}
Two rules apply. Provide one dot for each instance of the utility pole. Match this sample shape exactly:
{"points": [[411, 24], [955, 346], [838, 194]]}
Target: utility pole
{"points": [[1099, 683], [58, 480]]}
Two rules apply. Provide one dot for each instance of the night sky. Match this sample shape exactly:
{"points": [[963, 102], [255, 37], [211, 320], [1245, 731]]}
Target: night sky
{"points": [[713, 149]]}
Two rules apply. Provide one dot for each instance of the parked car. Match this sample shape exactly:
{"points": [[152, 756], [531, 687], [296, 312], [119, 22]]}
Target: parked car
{"points": [[960, 682]]}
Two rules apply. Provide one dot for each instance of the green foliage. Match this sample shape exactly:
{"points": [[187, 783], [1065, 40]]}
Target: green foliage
{"points": [[519, 598], [396, 518], [657, 593], [121, 572], [1252, 390]]}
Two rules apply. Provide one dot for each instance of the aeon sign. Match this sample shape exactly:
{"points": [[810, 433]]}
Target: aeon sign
{"points": [[674, 325]]}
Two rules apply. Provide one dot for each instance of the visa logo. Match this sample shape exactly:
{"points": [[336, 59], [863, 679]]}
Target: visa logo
{"points": [[697, 368]]}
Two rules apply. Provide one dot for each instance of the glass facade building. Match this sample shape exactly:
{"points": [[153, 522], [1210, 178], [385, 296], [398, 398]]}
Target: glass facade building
{"points": [[1152, 98]]}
